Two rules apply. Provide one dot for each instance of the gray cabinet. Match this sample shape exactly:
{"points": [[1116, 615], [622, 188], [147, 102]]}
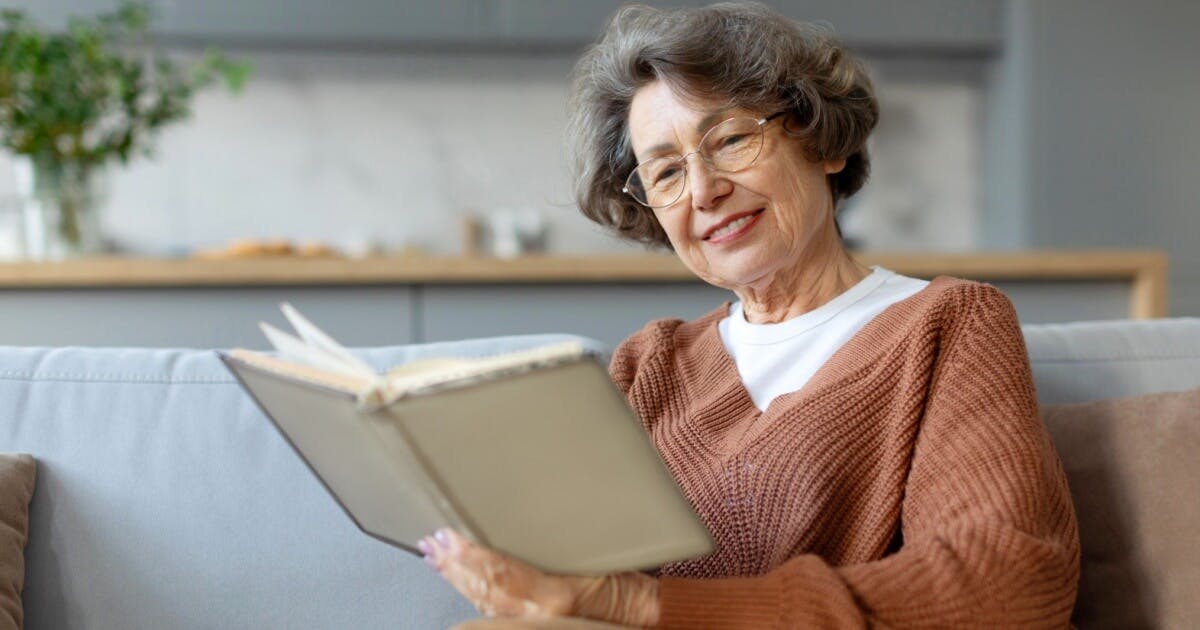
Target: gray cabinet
{"points": [[54, 13], [566, 23], [611, 312], [957, 25], [320, 22], [607, 312], [518, 24], [219, 317], [314, 23], [924, 25]]}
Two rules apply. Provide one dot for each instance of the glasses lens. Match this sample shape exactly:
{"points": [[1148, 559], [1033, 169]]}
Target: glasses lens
{"points": [[658, 182], [730, 147], [733, 145]]}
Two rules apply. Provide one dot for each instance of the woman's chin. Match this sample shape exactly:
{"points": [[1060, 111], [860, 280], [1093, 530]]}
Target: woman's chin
{"points": [[736, 273]]}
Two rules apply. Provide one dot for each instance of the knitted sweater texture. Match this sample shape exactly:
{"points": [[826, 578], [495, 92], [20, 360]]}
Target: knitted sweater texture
{"points": [[909, 483]]}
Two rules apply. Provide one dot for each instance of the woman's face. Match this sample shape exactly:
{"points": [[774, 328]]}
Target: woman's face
{"points": [[782, 201]]}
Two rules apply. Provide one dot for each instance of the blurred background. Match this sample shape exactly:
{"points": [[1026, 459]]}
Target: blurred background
{"points": [[1006, 125]]}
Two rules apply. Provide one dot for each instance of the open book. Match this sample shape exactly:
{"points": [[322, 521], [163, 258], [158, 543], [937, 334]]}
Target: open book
{"points": [[533, 453]]}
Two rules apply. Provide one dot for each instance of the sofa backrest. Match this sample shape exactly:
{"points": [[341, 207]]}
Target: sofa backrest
{"points": [[1096, 360], [165, 500]]}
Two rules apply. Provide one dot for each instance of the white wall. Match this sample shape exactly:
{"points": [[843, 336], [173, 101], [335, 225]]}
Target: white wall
{"points": [[398, 147], [344, 148]]}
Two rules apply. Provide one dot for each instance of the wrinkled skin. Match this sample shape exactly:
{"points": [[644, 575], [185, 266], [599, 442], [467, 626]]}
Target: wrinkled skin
{"points": [[500, 586], [791, 260]]}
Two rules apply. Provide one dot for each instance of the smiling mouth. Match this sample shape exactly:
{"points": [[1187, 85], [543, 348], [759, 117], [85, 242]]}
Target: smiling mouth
{"points": [[733, 226]]}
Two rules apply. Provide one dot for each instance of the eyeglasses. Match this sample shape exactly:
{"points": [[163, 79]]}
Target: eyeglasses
{"points": [[729, 147]]}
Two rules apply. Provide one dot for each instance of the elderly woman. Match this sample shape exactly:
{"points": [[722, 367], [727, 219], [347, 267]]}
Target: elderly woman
{"points": [[865, 448]]}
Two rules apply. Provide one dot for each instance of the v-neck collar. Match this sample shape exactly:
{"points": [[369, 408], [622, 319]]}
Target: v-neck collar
{"points": [[723, 415], [742, 331]]}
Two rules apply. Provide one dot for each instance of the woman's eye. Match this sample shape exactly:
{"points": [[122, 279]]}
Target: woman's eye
{"points": [[729, 141], [736, 139], [665, 175]]}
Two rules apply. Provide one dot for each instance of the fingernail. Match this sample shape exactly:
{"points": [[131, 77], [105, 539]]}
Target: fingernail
{"points": [[424, 547], [442, 537]]}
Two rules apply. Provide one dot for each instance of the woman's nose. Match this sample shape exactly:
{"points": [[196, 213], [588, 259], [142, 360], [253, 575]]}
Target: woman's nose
{"points": [[707, 185]]}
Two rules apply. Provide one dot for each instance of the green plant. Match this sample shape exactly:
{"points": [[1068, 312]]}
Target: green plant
{"points": [[97, 91]]}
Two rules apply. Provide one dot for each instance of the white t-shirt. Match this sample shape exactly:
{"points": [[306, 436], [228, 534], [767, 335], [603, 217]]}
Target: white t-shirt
{"points": [[775, 359]]}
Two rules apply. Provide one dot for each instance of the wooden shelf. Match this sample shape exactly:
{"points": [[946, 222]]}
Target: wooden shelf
{"points": [[1145, 270]]}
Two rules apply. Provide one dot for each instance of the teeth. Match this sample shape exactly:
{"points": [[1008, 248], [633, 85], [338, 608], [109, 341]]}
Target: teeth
{"points": [[732, 226]]}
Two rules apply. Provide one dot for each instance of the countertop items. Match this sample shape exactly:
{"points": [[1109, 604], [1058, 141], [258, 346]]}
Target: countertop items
{"points": [[505, 233], [258, 248]]}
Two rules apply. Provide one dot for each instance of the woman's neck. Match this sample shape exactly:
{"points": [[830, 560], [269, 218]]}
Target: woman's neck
{"points": [[806, 287]]}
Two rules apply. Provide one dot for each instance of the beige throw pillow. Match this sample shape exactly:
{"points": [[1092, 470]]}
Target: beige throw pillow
{"points": [[1133, 465], [17, 474]]}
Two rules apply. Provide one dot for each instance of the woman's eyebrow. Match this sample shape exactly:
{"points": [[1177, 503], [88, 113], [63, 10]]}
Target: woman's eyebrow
{"points": [[710, 120], [661, 147], [701, 127]]}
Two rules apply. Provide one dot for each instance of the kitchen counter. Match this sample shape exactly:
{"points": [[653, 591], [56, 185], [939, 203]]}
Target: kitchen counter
{"points": [[1144, 270]]}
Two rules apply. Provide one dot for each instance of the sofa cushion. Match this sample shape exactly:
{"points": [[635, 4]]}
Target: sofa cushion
{"points": [[1134, 471], [17, 473]]}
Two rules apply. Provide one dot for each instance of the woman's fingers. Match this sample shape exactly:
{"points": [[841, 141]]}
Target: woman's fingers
{"points": [[496, 584]]}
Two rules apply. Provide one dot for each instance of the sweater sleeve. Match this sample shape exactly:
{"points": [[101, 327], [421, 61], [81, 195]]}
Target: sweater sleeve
{"points": [[988, 533], [638, 364]]}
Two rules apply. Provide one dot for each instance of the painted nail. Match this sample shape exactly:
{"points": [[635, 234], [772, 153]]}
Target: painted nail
{"points": [[442, 537], [424, 547]]}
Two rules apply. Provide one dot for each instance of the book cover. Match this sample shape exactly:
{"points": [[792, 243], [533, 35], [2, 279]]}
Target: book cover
{"points": [[535, 453]]}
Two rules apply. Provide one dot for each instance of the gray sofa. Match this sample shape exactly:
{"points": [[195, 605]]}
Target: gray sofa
{"points": [[164, 499]]}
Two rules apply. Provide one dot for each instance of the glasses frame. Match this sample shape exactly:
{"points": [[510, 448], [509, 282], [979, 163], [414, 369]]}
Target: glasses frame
{"points": [[682, 160]]}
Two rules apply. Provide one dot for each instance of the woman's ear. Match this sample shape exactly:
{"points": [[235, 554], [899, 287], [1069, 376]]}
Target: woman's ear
{"points": [[834, 166]]}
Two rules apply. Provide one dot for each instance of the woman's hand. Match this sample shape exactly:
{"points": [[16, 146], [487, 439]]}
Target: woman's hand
{"points": [[500, 586]]}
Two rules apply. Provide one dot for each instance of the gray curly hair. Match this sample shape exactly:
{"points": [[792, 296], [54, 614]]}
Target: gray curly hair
{"points": [[744, 53]]}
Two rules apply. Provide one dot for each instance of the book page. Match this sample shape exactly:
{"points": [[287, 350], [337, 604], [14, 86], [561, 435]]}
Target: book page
{"points": [[298, 371], [431, 372]]}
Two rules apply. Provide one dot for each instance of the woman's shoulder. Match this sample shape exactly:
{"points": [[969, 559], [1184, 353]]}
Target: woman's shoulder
{"points": [[658, 341], [961, 297], [671, 332], [951, 297], [958, 307], [947, 307], [642, 348]]}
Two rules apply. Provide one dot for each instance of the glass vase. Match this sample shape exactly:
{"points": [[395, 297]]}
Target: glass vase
{"points": [[62, 206]]}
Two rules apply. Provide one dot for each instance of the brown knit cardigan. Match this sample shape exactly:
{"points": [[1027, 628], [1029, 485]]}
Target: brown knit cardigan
{"points": [[909, 483]]}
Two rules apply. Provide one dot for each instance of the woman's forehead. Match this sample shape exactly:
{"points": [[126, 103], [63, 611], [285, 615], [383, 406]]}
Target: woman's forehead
{"points": [[660, 119]]}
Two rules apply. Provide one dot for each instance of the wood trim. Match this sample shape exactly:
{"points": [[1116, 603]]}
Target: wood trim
{"points": [[1145, 270], [1148, 296]]}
